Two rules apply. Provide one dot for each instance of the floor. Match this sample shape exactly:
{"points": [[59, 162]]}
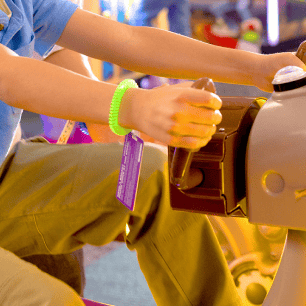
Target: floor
{"points": [[113, 276]]}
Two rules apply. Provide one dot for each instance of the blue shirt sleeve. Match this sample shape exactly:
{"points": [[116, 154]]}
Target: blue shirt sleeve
{"points": [[49, 19]]}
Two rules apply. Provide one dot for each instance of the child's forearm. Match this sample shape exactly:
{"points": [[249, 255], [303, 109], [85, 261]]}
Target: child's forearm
{"points": [[47, 89], [163, 53], [173, 55], [72, 61], [78, 63], [155, 51]]}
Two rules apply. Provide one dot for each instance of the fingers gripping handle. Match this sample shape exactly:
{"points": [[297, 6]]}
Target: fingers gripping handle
{"points": [[180, 174]]}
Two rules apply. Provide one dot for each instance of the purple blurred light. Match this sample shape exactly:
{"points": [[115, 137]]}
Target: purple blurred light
{"points": [[273, 22]]}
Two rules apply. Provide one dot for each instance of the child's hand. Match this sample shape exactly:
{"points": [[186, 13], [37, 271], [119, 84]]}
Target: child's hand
{"points": [[270, 64], [176, 115]]}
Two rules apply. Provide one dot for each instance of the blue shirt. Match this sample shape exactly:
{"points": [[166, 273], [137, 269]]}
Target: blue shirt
{"points": [[34, 24]]}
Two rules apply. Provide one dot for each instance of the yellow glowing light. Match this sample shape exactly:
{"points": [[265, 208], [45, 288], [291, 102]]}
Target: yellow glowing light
{"points": [[127, 229]]}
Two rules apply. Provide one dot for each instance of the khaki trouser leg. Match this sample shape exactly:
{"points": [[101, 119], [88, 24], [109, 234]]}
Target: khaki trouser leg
{"points": [[54, 199], [23, 284], [68, 268]]}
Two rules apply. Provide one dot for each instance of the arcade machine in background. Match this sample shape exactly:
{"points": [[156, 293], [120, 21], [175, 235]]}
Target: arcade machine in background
{"points": [[230, 24], [231, 32], [283, 23]]}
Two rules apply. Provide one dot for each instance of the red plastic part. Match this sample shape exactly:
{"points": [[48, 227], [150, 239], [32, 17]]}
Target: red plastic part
{"points": [[228, 42]]}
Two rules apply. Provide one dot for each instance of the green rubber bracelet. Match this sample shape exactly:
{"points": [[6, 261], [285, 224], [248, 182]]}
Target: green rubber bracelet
{"points": [[115, 106]]}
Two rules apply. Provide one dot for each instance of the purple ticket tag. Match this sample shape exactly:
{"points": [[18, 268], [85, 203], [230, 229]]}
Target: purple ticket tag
{"points": [[93, 303], [129, 170]]}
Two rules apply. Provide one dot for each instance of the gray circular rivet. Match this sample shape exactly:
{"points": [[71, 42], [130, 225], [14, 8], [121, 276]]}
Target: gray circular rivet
{"points": [[273, 182]]}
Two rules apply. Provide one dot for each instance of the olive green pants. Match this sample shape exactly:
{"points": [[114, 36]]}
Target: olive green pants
{"points": [[69, 268], [56, 198]]}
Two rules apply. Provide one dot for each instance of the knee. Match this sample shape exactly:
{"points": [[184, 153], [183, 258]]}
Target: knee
{"points": [[31, 286], [22, 283], [51, 291], [63, 296]]}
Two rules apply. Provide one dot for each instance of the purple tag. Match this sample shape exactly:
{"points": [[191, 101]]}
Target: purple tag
{"points": [[93, 303], [129, 170]]}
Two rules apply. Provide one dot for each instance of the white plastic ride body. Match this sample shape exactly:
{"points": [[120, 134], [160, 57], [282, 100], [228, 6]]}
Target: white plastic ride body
{"points": [[276, 180]]}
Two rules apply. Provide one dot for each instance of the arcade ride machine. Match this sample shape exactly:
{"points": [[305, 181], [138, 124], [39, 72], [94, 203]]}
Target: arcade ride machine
{"points": [[249, 174], [254, 168]]}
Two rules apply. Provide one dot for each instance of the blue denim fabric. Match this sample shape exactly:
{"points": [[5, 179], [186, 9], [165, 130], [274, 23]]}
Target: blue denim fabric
{"points": [[9, 119], [143, 11], [34, 24], [220, 8]]}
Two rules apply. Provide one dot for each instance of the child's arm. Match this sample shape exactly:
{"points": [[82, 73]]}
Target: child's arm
{"points": [[163, 53], [182, 117], [48, 89], [72, 61], [78, 63]]}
